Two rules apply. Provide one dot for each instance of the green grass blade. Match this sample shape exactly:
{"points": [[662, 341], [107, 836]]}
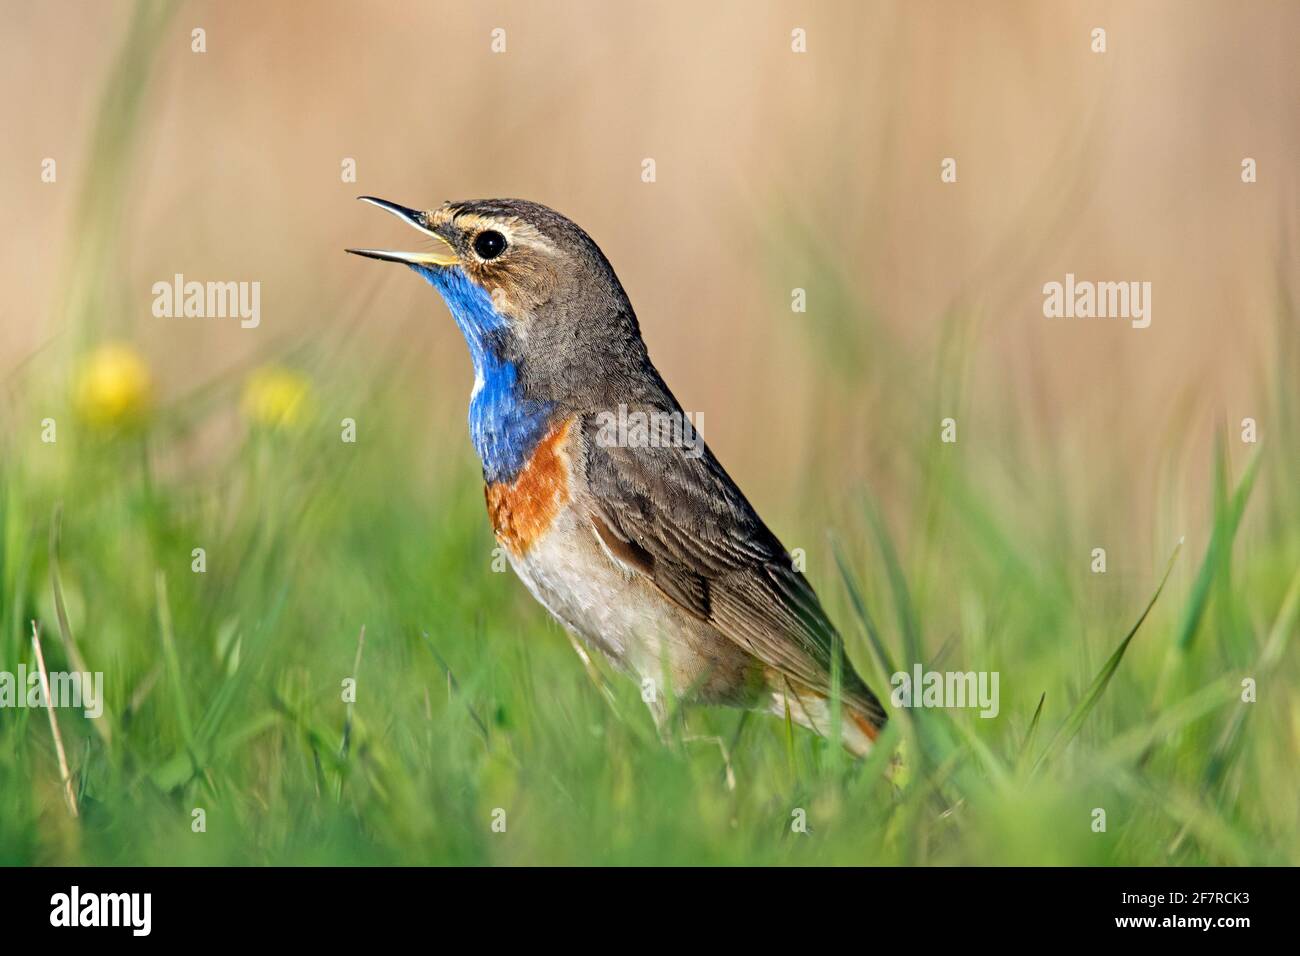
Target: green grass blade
{"points": [[1228, 745], [903, 604], [1084, 707], [1227, 520], [863, 615], [1027, 747], [173, 661]]}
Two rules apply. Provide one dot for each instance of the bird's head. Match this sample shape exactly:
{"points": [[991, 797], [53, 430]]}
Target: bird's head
{"points": [[527, 287]]}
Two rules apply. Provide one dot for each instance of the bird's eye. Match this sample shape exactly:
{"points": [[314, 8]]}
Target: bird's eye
{"points": [[489, 244]]}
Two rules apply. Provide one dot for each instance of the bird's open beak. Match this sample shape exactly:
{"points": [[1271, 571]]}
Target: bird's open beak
{"points": [[443, 255]]}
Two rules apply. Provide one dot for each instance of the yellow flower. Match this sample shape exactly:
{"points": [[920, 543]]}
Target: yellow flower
{"points": [[113, 387], [276, 397]]}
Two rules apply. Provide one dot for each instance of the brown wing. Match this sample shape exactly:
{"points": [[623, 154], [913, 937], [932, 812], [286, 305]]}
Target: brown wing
{"points": [[682, 522]]}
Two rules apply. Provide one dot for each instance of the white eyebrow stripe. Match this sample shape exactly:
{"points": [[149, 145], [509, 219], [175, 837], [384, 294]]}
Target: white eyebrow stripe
{"points": [[535, 241]]}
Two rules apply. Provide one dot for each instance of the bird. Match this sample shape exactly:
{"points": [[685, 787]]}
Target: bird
{"points": [[646, 551]]}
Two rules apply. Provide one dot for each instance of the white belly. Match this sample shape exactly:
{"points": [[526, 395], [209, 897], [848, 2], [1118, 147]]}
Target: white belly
{"points": [[605, 605], [619, 612]]}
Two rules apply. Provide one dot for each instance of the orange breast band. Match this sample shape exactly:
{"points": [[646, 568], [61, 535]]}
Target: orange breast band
{"points": [[522, 511]]}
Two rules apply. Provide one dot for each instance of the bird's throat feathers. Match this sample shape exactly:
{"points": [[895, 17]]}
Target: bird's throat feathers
{"points": [[504, 425]]}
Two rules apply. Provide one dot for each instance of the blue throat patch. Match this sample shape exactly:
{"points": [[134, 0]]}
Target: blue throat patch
{"points": [[504, 426]]}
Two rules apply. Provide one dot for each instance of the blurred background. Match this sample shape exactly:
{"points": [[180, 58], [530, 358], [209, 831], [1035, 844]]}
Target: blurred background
{"points": [[775, 170]]}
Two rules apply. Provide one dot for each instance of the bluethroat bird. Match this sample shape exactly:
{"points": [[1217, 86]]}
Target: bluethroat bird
{"points": [[644, 550]]}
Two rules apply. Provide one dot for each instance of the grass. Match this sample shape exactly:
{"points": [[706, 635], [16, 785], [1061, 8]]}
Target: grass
{"points": [[226, 688]]}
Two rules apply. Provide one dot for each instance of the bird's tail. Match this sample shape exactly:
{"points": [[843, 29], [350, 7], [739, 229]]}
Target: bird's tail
{"points": [[859, 733], [811, 709]]}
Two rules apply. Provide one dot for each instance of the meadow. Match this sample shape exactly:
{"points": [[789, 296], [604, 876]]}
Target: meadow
{"points": [[475, 735]]}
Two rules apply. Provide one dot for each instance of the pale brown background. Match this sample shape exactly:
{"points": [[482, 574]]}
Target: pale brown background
{"points": [[1117, 166]]}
